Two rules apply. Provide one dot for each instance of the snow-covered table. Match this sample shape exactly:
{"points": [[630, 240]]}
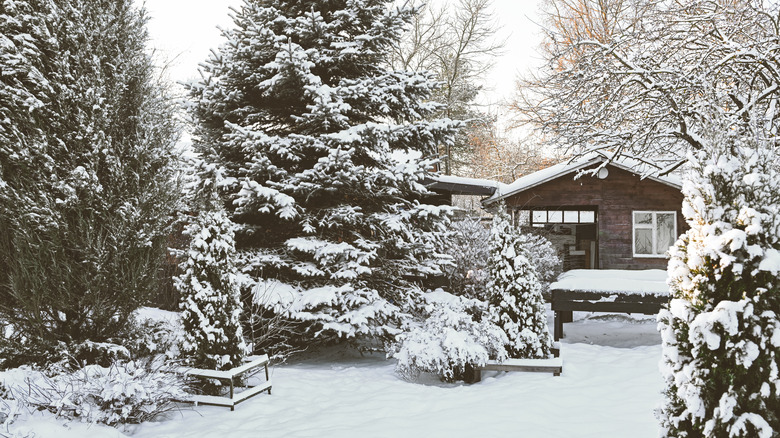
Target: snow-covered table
{"points": [[607, 290]]}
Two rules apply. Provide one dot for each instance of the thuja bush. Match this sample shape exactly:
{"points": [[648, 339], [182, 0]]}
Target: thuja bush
{"points": [[721, 331]]}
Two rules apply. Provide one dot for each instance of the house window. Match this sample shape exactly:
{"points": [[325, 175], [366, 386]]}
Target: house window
{"points": [[654, 232], [540, 218]]}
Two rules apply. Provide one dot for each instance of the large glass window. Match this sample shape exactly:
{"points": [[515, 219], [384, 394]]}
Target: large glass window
{"points": [[654, 232]]}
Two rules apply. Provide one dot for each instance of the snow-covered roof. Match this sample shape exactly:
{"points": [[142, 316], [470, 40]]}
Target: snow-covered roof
{"points": [[633, 165], [462, 185]]}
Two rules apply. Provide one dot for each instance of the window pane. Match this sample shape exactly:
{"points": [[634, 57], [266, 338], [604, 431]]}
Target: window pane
{"points": [[540, 216], [643, 241], [665, 237], [587, 217], [643, 218], [570, 217], [555, 217], [523, 217]]}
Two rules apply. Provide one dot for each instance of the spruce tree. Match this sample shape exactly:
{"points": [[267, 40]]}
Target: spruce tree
{"points": [[721, 331], [85, 159], [314, 136], [210, 298], [515, 293]]}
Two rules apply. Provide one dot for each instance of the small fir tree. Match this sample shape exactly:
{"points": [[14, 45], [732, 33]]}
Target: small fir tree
{"points": [[210, 298], [315, 135], [515, 294], [721, 331]]}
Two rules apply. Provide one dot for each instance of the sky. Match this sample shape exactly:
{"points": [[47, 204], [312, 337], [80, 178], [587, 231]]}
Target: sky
{"points": [[184, 31]]}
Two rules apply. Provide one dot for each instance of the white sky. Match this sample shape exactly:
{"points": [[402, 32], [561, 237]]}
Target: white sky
{"points": [[183, 32]]}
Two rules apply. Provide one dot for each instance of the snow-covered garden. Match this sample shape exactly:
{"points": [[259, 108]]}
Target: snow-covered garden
{"points": [[610, 387], [299, 225]]}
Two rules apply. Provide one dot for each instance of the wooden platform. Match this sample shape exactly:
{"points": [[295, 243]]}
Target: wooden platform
{"points": [[251, 366], [642, 292]]}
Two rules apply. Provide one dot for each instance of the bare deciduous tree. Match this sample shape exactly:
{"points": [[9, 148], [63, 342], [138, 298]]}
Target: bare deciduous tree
{"points": [[457, 44], [651, 86]]}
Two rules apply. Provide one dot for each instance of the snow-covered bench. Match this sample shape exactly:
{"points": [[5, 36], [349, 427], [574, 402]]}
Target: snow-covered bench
{"points": [[250, 367], [607, 290], [553, 365]]}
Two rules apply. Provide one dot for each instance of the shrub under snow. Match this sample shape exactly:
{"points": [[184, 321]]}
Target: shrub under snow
{"points": [[452, 342], [721, 332], [125, 392], [515, 294]]}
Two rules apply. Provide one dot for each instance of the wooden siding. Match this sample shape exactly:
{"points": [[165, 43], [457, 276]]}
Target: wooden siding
{"points": [[616, 197]]}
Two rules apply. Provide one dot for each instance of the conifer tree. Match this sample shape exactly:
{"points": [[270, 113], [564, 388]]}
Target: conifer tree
{"points": [[314, 136], [86, 153], [515, 293], [721, 331], [210, 298]]}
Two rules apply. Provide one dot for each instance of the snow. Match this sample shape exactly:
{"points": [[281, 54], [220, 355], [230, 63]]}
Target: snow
{"points": [[644, 282], [610, 387]]}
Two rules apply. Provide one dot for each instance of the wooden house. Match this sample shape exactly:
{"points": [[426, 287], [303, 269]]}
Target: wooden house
{"points": [[610, 218]]}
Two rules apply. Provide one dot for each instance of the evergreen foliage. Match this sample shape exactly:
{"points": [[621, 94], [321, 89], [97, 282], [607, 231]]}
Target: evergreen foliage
{"points": [[86, 182], [314, 137], [210, 298], [721, 331], [515, 294]]}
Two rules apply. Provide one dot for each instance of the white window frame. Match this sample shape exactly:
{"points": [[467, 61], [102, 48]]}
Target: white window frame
{"points": [[654, 232]]}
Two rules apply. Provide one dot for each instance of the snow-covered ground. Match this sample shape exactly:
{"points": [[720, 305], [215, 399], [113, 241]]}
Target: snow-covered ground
{"points": [[610, 387]]}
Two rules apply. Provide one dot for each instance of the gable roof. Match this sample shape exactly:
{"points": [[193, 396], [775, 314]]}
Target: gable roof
{"points": [[630, 164]]}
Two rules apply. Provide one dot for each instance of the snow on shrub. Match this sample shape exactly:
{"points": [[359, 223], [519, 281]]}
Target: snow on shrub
{"points": [[543, 256], [453, 341], [210, 297], [721, 331], [515, 293], [467, 244], [123, 393]]}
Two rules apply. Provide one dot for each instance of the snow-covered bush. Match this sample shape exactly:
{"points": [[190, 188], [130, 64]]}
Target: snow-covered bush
{"points": [[721, 331], [211, 301], [543, 257], [467, 244], [515, 293], [125, 392], [453, 341], [153, 338]]}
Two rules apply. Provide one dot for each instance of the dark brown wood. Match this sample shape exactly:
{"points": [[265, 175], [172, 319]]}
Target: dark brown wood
{"points": [[615, 198], [564, 301]]}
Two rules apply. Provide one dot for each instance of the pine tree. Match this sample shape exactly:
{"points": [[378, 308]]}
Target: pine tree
{"points": [[86, 157], [210, 298], [515, 293], [721, 331], [313, 136]]}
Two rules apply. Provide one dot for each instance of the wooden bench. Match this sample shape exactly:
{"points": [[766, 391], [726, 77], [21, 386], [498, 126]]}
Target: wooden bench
{"points": [[553, 365], [248, 369], [566, 301]]}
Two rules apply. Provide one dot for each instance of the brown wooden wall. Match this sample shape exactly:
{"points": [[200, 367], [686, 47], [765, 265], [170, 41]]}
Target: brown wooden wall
{"points": [[615, 197]]}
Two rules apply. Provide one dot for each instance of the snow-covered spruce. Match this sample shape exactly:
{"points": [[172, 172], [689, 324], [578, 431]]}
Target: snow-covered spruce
{"points": [[515, 294], [210, 298], [721, 332], [543, 257], [323, 150], [454, 340]]}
